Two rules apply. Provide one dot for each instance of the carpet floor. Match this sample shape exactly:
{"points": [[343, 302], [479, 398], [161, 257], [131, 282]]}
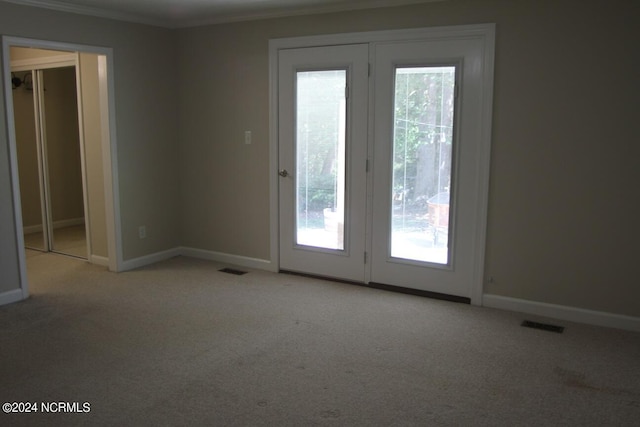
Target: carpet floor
{"points": [[181, 343]]}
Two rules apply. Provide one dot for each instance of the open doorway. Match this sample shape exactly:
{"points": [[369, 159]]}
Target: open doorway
{"points": [[50, 151], [86, 223]]}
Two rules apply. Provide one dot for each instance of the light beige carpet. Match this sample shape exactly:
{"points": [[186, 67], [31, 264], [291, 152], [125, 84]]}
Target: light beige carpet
{"points": [[179, 343]]}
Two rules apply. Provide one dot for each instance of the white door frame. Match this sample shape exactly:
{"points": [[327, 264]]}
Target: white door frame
{"points": [[484, 32], [109, 146]]}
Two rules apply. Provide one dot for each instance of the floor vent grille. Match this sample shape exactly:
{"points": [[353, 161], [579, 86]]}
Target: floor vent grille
{"points": [[543, 326], [233, 271]]}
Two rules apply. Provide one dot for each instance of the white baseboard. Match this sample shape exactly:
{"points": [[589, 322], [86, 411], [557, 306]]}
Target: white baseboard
{"points": [[68, 223], [56, 225], [224, 258], [32, 229], [9, 297], [149, 259], [562, 312], [99, 260]]}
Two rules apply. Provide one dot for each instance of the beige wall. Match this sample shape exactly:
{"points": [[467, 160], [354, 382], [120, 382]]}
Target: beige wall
{"points": [[563, 202], [145, 94], [224, 91]]}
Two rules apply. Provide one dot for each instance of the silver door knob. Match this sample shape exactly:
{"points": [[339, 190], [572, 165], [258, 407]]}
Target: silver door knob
{"points": [[283, 173]]}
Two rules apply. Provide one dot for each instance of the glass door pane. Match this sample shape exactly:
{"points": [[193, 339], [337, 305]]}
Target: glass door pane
{"points": [[422, 158], [64, 167], [322, 151], [320, 158], [29, 161]]}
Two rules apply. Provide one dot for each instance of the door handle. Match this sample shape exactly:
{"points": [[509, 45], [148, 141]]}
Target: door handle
{"points": [[283, 173]]}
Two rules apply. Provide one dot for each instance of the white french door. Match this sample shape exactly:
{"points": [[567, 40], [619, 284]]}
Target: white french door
{"points": [[382, 152], [427, 126], [322, 159]]}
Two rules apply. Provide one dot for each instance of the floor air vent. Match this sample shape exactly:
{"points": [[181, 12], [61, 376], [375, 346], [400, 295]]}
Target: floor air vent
{"points": [[233, 271], [543, 326]]}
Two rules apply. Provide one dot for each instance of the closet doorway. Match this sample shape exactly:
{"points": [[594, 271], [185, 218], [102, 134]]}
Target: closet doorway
{"points": [[53, 94], [98, 145], [49, 151]]}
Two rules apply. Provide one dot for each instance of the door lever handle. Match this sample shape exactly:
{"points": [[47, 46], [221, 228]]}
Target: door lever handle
{"points": [[283, 173]]}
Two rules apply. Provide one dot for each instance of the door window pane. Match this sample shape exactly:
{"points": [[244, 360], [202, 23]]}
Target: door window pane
{"points": [[422, 158], [320, 158]]}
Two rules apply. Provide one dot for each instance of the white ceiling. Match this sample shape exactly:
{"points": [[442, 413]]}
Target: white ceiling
{"points": [[187, 13]]}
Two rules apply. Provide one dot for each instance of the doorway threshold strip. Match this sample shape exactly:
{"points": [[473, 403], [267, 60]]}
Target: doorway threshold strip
{"points": [[543, 326], [233, 271]]}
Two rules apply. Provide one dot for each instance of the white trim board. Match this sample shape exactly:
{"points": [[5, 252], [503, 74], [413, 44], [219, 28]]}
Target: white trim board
{"points": [[149, 259], [56, 225], [12, 296], [68, 222], [44, 62], [562, 312], [32, 229], [224, 258], [99, 260], [239, 260]]}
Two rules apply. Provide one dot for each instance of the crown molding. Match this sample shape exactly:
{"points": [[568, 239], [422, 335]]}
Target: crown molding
{"points": [[300, 11], [175, 23], [60, 6]]}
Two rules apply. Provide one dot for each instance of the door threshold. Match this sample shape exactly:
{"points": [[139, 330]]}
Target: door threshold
{"points": [[385, 287], [321, 277], [418, 292]]}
